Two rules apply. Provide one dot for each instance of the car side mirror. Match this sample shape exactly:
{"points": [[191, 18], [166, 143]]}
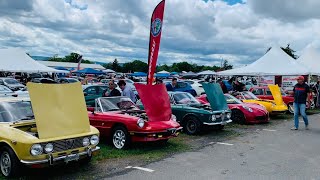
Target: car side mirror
{"points": [[85, 94], [91, 109]]}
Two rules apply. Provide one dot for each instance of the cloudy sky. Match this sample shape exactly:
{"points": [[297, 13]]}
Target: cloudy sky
{"points": [[197, 31]]}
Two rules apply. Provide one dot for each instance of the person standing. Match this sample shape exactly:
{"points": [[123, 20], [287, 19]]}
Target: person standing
{"points": [[223, 86], [111, 91], [127, 91], [301, 94], [159, 81], [172, 85]]}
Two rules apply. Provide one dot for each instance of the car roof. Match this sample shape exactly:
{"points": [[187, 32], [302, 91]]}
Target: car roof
{"points": [[176, 92], [13, 99]]}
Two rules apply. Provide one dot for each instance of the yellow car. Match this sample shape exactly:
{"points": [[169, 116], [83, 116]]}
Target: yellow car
{"points": [[50, 129], [275, 106]]}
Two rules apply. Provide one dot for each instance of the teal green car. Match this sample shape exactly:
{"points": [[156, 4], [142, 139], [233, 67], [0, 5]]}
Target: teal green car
{"points": [[194, 116], [92, 92]]}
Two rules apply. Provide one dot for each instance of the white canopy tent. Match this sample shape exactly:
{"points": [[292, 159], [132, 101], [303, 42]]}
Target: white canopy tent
{"points": [[108, 71], [274, 62], [208, 72], [310, 58], [164, 72], [16, 60]]}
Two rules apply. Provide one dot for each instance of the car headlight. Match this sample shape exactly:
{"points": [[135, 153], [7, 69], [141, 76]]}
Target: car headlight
{"points": [[140, 123], [94, 140], [85, 141], [36, 150], [228, 115], [48, 148], [247, 108], [173, 117], [213, 118]]}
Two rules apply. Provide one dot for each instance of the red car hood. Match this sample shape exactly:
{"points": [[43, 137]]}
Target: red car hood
{"points": [[155, 100]]}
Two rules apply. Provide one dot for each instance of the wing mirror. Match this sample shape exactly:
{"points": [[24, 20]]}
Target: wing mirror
{"points": [[91, 109]]}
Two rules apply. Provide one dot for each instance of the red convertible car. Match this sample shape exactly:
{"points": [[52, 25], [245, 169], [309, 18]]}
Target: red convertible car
{"points": [[243, 113], [120, 121]]}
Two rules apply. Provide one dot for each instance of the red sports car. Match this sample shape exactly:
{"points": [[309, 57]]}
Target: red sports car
{"points": [[121, 122], [243, 113]]}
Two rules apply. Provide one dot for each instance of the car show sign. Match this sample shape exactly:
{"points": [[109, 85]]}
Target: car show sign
{"points": [[155, 37], [288, 82], [265, 80]]}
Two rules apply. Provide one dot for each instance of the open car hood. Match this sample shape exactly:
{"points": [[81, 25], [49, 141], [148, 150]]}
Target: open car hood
{"points": [[276, 93], [59, 109], [215, 96], [155, 100]]}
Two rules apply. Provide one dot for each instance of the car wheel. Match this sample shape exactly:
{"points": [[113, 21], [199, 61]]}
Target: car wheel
{"points": [[237, 116], [290, 108], [192, 125], [9, 162], [120, 137]]}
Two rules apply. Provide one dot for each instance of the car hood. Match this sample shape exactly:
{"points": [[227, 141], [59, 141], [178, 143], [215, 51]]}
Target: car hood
{"points": [[215, 96], [59, 109], [155, 100], [276, 93]]}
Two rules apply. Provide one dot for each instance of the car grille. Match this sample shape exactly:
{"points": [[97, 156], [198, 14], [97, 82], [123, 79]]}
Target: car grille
{"points": [[66, 144], [261, 118]]}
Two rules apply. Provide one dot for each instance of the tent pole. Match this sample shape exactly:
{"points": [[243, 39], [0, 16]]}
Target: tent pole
{"points": [[309, 79]]}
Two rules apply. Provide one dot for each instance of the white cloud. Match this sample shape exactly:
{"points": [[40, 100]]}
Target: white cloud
{"points": [[195, 31]]}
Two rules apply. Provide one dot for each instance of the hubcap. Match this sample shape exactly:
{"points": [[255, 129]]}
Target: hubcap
{"points": [[119, 139], [191, 126], [5, 163], [291, 109]]}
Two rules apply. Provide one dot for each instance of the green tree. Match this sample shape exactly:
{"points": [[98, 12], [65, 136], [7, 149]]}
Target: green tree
{"points": [[290, 51], [72, 57], [107, 65], [226, 65], [135, 66], [115, 66]]}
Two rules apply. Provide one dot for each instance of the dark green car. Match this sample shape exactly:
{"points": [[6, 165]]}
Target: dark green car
{"points": [[193, 115], [92, 92]]}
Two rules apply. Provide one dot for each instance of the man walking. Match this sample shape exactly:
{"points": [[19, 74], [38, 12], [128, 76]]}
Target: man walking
{"points": [[172, 85], [301, 94]]}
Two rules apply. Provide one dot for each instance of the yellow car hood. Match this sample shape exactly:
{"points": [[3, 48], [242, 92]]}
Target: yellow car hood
{"points": [[59, 109], [276, 93]]}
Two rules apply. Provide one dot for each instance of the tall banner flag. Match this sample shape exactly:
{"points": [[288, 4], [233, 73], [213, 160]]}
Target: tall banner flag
{"points": [[155, 37], [79, 59]]}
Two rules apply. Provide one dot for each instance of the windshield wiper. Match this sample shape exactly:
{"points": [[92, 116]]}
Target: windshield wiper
{"points": [[114, 109]]}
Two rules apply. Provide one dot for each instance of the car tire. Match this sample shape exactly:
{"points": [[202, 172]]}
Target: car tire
{"points": [[237, 116], [290, 108], [9, 163], [120, 137], [191, 125]]}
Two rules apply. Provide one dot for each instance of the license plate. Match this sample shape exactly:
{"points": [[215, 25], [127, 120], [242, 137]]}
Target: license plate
{"points": [[72, 157]]}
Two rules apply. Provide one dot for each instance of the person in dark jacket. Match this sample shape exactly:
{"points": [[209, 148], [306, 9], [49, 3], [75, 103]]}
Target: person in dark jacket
{"points": [[238, 86], [112, 91], [223, 86], [172, 85], [301, 94]]}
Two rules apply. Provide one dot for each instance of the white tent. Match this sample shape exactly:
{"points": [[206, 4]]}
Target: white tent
{"points": [[16, 60], [108, 71], [163, 72], [208, 72], [274, 62], [310, 58]]}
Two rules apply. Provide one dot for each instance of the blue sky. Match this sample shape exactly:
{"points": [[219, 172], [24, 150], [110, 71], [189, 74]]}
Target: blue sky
{"points": [[197, 31]]}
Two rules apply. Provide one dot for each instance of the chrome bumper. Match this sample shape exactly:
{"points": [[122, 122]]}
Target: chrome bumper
{"points": [[218, 123], [50, 160]]}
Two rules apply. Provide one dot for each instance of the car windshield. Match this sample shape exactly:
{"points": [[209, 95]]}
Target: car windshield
{"points": [[184, 98], [231, 99], [15, 111], [11, 81], [249, 95], [117, 103]]}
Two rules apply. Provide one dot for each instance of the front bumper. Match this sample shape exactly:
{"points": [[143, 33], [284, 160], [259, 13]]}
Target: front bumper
{"points": [[51, 160], [155, 136], [218, 123]]}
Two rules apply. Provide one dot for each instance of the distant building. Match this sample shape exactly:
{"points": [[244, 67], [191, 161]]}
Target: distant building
{"points": [[67, 65]]}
